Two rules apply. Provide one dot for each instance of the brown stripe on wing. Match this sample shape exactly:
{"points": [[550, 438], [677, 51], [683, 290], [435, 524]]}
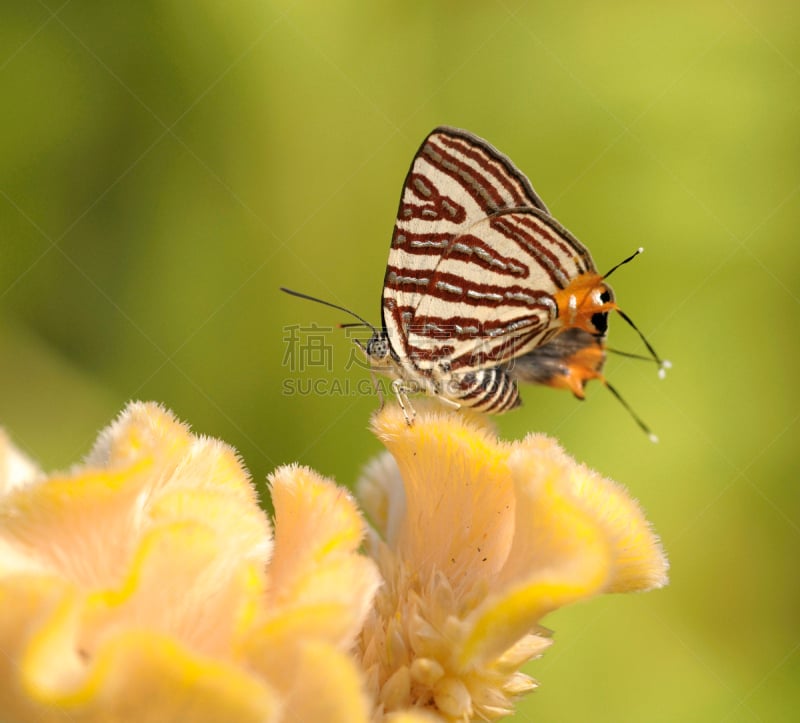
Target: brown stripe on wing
{"points": [[485, 194], [551, 248], [456, 289], [463, 328], [466, 247], [560, 237], [499, 168], [433, 205], [494, 176], [466, 345], [506, 349]]}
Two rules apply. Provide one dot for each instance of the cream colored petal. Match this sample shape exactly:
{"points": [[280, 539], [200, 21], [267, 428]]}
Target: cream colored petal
{"points": [[315, 679], [545, 473], [317, 532], [349, 582], [16, 468], [241, 525], [559, 555], [638, 560], [141, 428], [552, 532], [83, 527], [382, 496], [27, 602], [142, 676], [181, 459], [327, 687], [211, 464], [135, 675], [412, 717], [576, 534], [86, 525], [184, 582], [459, 494], [504, 619]]}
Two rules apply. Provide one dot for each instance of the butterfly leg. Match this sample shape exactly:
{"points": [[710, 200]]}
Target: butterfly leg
{"points": [[403, 400]]}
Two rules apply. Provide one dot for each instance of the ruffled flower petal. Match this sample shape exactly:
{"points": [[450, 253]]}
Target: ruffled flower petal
{"points": [[320, 591], [146, 585], [481, 539], [16, 468]]}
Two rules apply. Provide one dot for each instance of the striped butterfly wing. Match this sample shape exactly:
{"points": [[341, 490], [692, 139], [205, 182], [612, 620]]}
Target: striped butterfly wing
{"points": [[474, 261]]}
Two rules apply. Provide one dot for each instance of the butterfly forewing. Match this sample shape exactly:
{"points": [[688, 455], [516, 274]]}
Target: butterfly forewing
{"points": [[474, 261]]}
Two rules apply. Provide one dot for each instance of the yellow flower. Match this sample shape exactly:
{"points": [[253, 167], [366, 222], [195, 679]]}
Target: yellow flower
{"points": [[147, 585], [479, 539]]}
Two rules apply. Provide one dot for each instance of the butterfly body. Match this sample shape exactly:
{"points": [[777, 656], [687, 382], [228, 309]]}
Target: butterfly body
{"points": [[573, 358]]}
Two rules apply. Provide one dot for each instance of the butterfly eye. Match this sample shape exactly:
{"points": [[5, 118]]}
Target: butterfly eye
{"points": [[605, 297]]}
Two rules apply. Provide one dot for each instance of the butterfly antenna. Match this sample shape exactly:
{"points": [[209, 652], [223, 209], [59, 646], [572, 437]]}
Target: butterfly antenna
{"points": [[636, 418], [619, 352], [624, 261], [663, 364], [328, 303]]}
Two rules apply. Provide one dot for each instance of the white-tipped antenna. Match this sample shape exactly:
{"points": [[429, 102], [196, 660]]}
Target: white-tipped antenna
{"points": [[663, 364], [636, 418], [630, 258], [328, 303]]}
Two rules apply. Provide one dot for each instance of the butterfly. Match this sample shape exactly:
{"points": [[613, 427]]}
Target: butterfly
{"points": [[479, 275]]}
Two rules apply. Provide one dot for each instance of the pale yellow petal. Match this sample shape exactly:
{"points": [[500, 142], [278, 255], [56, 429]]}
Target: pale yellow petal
{"points": [[16, 468], [317, 532], [147, 430], [83, 526], [309, 674], [240, 524], [143, 676], [555, 539], [139, 430], [382, 496], [135, 675], [26, 602], [184, 582], [459, 494], [327, 687], [151, 592], [638, 560], [575, 534], [487, 539], [412, 717], [314, 518]]}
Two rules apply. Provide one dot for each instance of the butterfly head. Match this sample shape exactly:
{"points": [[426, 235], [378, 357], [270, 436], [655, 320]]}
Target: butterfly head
{"points": [[586, 301], [377, 349]]}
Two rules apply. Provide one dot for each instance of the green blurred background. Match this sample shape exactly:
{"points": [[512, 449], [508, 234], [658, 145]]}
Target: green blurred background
{"points": [[166, 166]]}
